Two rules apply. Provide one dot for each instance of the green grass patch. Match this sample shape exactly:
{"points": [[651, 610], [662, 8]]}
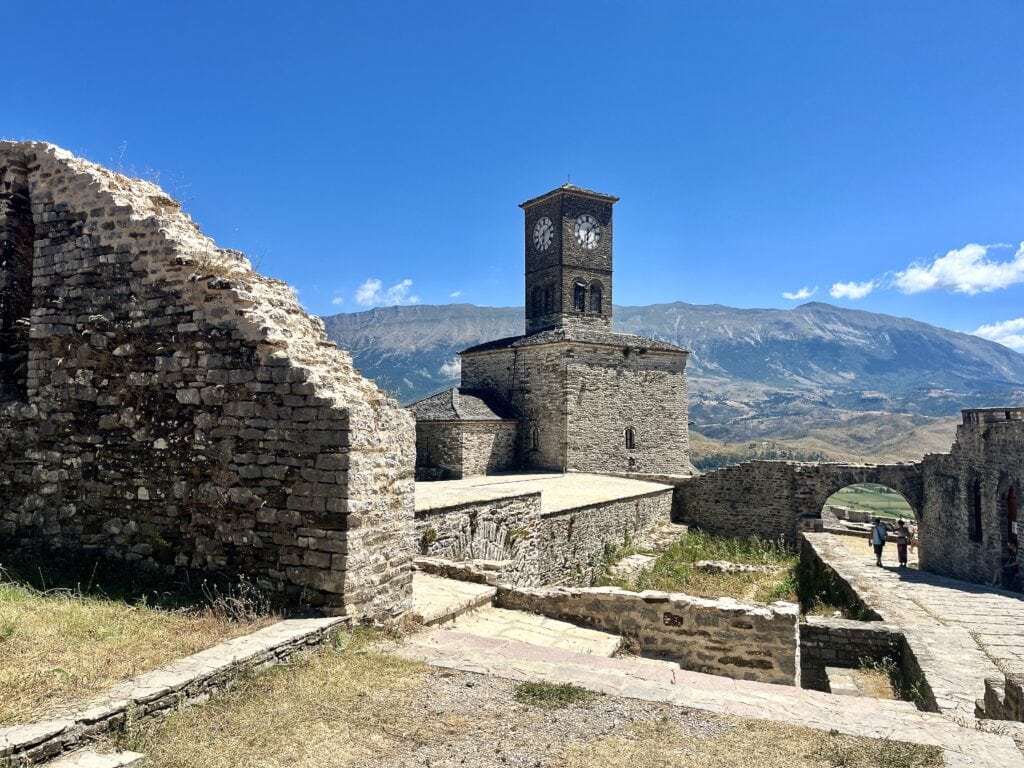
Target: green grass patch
{"points": [[873, 499], [674, 569], [552, 695]]}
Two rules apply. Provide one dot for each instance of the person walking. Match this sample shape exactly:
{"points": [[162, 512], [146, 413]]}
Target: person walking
{"points": [[878, 534], [902, 542]]}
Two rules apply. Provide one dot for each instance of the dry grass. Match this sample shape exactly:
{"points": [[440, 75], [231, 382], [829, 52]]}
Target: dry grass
{"points": [[351, 705], [341, 706], [749, 742], [60, 647]]}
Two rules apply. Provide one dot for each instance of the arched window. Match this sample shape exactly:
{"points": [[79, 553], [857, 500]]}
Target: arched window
{"points": [[630, 435], [595, 298], [579, 297], [538, 301], [974, 513], [549, 299], [534, 439]]}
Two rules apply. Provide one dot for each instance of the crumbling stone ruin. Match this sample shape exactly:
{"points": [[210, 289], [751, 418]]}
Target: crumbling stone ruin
{"points": [[162, 403], [582, 398]]}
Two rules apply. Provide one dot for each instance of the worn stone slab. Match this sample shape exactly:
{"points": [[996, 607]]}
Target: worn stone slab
{"points": [[437, 600], [86, 758], [502, 624], [661, 682], [559, 492]]}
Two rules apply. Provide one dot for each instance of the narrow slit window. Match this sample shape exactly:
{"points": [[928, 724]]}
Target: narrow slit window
{"points": [[630, 436], [974, 520]]}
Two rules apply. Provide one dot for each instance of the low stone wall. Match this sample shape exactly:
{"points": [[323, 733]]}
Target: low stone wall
{"points": [[191, 680], [572, 544], [830, 642], [501, 529], [817, 569], [535, 547], [718, 637]]}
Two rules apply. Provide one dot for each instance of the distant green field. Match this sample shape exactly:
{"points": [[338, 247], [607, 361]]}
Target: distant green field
{"points": [[874, 499]]}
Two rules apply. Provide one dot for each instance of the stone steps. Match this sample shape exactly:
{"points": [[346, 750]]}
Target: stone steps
{"points": [[664, 682], [437, 600], [503, 624]]}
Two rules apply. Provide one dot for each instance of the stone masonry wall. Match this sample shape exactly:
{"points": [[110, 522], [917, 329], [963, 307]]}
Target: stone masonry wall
{"points": [[830, 642], [487, 447], [611, 389], [438, 450], [562, 547], [572, 544], [989, 450], [718, 637], [504, 530], [768, 498], [182, 411]]}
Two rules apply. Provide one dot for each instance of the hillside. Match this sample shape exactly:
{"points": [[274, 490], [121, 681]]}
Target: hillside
{"points": [[818, 375]]}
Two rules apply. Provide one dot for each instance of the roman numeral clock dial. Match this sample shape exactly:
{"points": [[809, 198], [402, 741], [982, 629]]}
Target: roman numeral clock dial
{"points": [[543, 233], [588, 232]]}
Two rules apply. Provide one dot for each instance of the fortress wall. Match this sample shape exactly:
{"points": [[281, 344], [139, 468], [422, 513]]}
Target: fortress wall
{"points": [[181, 411], [610, 389], [488, 447], [503, 529], [988, 450], [718, 637]]}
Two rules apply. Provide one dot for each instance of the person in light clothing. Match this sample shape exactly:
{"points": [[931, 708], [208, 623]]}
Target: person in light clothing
{"points": [[878, 534]]}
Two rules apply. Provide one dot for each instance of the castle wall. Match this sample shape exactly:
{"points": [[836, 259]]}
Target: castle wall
{"points": [[562, 547], [989, 448], [183, 412], [612, 389]]}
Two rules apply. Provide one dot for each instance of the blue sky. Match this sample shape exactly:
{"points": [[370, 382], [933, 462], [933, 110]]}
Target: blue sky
{"points": [[376, 152]]}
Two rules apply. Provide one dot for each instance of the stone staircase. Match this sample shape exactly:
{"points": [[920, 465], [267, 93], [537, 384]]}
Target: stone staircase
{"points": [[470, 635]]}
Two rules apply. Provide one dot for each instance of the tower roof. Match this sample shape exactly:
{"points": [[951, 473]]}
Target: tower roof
{"points": [[568, 188]]}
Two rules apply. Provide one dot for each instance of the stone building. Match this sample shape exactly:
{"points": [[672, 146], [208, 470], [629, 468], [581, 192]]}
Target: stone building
{"points": [[971, 503], [162, 403], [583, 398], [459, 434]]}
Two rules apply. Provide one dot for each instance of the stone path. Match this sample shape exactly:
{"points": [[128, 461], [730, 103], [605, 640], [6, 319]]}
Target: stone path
{"points": [[664, 682], [961, 633], [558, 491], [502, 624]]}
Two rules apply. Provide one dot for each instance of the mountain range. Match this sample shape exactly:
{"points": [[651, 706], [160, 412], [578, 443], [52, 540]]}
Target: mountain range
{"points": [[754, 374]]}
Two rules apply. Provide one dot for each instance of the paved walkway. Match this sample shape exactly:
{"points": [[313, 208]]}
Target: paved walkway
{"points": [[664, 682], [436, 599], [960, 632], [558, 492]]}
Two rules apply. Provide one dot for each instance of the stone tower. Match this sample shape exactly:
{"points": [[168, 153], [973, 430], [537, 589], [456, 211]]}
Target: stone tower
{"points": [[568, 244]]}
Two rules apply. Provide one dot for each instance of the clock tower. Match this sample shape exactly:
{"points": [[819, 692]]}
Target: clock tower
{"points": [[568, 240]]}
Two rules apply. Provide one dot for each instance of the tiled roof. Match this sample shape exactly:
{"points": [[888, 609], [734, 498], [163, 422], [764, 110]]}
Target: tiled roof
{"points": [[584, 335], [459, 405]]}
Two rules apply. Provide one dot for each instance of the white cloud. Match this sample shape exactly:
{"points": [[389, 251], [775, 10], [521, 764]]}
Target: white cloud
{"points": [[451, 369], [1009, 333], [803, 293], [370, 294], [964, 270], [338, 301], [454, 294], [852, 290]]}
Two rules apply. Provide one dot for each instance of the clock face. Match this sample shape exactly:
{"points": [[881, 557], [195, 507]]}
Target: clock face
{"points": [[588, 232], [543, 232]]}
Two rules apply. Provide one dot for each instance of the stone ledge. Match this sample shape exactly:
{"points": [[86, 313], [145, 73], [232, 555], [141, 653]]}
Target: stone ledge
{"points": [[192, 679]]}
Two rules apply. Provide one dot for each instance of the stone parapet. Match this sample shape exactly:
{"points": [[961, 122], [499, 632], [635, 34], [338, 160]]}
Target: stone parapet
{"points": [[720, 637]]}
